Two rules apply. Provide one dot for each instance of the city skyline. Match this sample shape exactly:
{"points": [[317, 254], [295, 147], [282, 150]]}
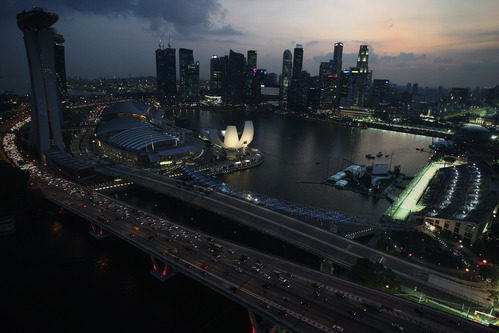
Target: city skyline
{"points": [[429, 43]]}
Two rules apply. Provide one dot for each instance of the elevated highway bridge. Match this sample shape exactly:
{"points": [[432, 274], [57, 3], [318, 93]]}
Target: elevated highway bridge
{"points": [[341, 251]]}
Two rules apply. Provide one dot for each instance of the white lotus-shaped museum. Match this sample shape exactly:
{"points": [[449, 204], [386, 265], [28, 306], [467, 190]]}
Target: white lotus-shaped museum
{"points": [[229, 139]]}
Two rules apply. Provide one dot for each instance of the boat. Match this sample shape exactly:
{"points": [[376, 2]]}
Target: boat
{"points": [[379, 154], [369, 156], [387, 155]]}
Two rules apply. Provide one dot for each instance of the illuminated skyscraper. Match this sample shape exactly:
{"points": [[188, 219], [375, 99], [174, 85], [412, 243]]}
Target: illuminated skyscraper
{"points": [[338, 58], [286, 75], [252, 59], [40, 40], [166, 72], [191, 82], [216, 71], [185, 58], [362, 58], [297, 60], [365, 76]]}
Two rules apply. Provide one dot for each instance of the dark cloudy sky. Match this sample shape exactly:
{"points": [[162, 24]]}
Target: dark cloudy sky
{"points": [[454, 43]]}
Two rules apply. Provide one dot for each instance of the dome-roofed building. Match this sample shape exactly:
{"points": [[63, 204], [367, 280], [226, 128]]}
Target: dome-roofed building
{"points": [[125, 136], [473, 134]]}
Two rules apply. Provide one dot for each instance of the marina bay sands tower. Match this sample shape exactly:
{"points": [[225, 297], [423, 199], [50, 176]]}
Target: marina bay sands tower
{"points": [[46, 116]]}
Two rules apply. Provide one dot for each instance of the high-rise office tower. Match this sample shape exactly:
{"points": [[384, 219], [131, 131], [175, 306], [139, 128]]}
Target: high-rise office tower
{"points": [[362, 58], [191, 82], [297, 60], [325, 72], [252, 59], [350, 87], [364, 78], [327, 85], [338, 58], [39, 39], [380, 92], [60, 65], [236, 78], [185, 58], [216, 72], [166, 72], [286, 75]]}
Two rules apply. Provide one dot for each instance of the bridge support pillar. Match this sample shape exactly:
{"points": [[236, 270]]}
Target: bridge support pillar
{"points": [[263, 325], [327, 267], [161, 270], [97, 231]]}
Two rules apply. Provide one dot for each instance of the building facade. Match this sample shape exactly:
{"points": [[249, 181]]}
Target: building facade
{"points": [[166, 72], [236, 78], [46, 115], [287, 66], [297, 60], [252, 57], [191, 82], [185, 58]]}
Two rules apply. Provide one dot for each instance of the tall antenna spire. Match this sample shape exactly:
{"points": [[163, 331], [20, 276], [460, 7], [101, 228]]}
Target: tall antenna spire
{"points": [[161, 45], [169, 41]]}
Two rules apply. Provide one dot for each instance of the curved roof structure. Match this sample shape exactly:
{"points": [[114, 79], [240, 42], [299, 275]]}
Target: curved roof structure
{"points": [[132, 134], [139, 138], [231, 139], [125, 108]]}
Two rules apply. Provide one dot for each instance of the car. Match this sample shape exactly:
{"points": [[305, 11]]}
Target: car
{"points": [[398, 327], [204, 266], [285, 298], [237, 262], [337, 328], [316, 285], [267, 285], [265, 305], [340, 294], [231, 251], [361, 307], [204, 272], [302, 302], [286, 284], [353, 312], [132, 235], [238, 269], [265, 275], [283, 313], [188, 265], [256, 269], [316, 293]]}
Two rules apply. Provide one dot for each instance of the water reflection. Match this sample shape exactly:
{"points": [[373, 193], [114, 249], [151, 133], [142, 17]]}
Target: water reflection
{"points": [[300, 150], [102, 263], [56, 228]]}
